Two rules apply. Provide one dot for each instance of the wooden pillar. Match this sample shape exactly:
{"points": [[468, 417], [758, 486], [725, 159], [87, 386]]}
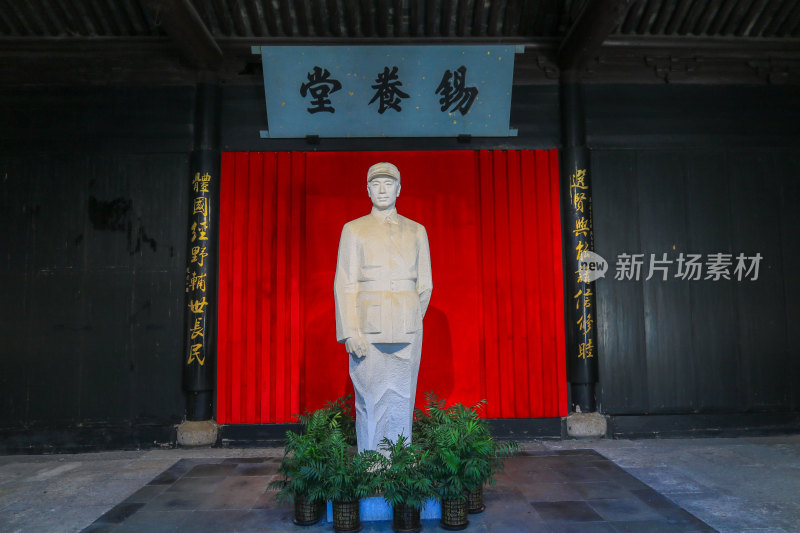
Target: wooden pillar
{"points": [[578, 237], [201, 263]]}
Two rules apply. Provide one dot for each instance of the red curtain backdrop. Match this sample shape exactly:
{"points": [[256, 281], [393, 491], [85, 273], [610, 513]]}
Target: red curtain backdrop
{"points": [[495, 325]]}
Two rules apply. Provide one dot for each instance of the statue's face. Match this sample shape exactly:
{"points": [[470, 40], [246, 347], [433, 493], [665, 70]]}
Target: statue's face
{"points": [[383, 192]]}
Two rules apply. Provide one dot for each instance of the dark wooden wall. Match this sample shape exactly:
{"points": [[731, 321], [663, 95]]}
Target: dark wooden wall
{"points": [[697, 170], [93, 216]]}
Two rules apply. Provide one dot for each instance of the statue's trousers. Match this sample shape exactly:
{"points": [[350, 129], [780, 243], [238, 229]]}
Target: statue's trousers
{"points": [[385, 383]]}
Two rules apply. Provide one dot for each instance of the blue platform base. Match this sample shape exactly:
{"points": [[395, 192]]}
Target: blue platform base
{"points": [[375, 509]]}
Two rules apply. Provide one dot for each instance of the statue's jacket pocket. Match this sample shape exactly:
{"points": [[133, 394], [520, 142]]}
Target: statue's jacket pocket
{"points": [[369, 312], [389, 317]]}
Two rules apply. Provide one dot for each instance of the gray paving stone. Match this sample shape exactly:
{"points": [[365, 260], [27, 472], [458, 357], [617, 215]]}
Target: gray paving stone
{"points": [[205, 485], [177, 501], [154, 522], [731, 484], [146, 494], [256, 469], [211, 470], [212, 521], [566, 511], [236, 493], [629, 509]]}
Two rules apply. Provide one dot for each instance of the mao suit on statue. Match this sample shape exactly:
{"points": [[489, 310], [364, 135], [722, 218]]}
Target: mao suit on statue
{"points": [[382, 288]]}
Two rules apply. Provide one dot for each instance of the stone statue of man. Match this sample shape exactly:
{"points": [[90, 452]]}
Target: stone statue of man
{"points": [[382, 288]]}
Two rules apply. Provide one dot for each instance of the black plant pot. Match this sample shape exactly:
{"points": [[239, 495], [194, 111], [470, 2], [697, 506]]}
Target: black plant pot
{"points": [[475, 499], [306, 512], [405, 519], [346, 516], [454, 514]]}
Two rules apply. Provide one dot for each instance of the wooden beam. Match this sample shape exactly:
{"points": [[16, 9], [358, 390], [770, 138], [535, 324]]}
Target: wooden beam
{"points": [[222, 16], [270, 16], [334, 17], [430, 17], [368, 18], [397, 17], [593, 25], [705, 19], [316, 17], [351, 17], [477, 18], [494, 18], [183, 25], [413, 17], [511, 18], [776, 21], [383, 18], [445, 24], [256, 20], [677, 16], [262, 17], [286, 16], [462, 18], [301, 12]]}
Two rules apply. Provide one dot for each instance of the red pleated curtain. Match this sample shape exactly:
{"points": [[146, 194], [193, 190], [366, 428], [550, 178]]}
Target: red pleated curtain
{"points": [[495, 325]]}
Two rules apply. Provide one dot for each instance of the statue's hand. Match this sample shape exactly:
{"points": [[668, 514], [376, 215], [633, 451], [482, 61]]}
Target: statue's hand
{"points": [[356, 346]]}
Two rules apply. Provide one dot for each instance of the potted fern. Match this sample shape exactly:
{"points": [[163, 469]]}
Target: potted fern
{"points": [[305, 463], [406, 482], [486, 460], [349, 477], [463, 456]]}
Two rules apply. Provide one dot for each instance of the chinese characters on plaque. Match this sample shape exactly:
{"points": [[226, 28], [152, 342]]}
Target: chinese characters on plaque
{"points": [[197, 271], [397, 91], [387, 88], [455, 94], [318, 89], [582, 233]]}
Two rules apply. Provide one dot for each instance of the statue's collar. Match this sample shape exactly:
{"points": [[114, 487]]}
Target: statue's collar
{"points": [[385, 216]]}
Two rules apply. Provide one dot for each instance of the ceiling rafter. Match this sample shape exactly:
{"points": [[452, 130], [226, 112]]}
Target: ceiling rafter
{"points": [[186, 29], [592, 27], [770, 28]]}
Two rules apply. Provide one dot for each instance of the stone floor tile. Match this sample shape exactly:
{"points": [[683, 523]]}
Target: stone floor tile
{"points": [[257, 520], [165, 478], [211, 470], [584, 527], [154, 522], [236, 493], [624, 510], [507, 517], [145, 494], [599, 490], [577, 473], [177, 501], [667, 480], [656, 526], [533, 475], [223, 482], [766, 530], [268, 500], [120, 512], [101, 528], [212, 521], [255, 469], [549, 492], [566, 511], [245, 460], [205, 485]]}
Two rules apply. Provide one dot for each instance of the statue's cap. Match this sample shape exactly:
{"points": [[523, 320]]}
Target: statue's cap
{"points": [[387, 170]]}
